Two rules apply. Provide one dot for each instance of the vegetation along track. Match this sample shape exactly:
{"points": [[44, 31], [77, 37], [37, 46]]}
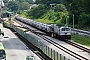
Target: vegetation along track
{"points": [[77, 56], [78, 46]]}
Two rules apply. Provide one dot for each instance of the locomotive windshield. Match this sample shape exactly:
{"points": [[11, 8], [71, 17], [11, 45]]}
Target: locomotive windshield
{"points": [[65, 29]]}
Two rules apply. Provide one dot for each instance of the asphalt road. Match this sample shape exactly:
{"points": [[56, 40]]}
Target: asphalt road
{"points": [[15, 49]]}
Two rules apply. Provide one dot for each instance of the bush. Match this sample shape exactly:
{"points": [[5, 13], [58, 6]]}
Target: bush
{"points": [[60, 8], [37, 12], [83, 19]]}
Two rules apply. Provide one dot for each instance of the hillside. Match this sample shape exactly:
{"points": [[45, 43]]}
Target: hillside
{"points": [[62, 11]]}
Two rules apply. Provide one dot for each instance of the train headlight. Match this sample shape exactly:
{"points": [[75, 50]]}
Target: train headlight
{"points": [[65, 33]]}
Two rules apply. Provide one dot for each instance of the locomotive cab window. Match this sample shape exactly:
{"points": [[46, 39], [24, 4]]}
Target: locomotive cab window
{"points": [[65, 29]]}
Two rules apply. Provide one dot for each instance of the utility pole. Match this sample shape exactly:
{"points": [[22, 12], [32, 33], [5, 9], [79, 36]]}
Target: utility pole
{"points": [[67, 21], [73, 21]]}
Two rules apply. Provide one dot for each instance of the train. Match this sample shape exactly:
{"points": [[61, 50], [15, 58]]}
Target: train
{"points": [[58, 31]]}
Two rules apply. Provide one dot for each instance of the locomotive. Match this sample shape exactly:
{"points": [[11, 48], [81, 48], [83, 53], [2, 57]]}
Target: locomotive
{"points": [[59, 31]]}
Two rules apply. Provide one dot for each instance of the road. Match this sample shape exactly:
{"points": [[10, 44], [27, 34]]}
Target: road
{"points": [[15, 49]]}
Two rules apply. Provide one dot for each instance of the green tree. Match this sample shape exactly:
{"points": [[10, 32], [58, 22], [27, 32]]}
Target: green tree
{"points": [[30, 1], [37, 11], [86, 4], [20, 0], [60, 8], [24, 6], [13, 6], [83, 19]]}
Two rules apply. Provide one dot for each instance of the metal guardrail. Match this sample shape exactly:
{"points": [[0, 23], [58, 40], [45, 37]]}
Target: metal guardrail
{"points": [[38, 43], [81, 32]]}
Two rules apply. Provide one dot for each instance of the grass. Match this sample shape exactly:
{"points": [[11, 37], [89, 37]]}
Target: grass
{"points": [[84, 40], [46, 21], [23, 14], [87, 28], [4, 23], [11, 21]]}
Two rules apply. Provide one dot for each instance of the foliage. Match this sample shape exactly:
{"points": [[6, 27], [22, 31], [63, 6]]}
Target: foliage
{"points": [[37, 12], [80, 9], [23, 6], [57, 15], [23, 14], [13, 5], [60, 8], [46, 21], [83, 19], [49, 15], [17, 5], [0, 31], [62, 17], [47, 2], [84, 40], [29, 1]]}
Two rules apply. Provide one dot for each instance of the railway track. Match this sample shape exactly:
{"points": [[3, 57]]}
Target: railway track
{"points": [[36, 50], [75, 55], [78, 46]]}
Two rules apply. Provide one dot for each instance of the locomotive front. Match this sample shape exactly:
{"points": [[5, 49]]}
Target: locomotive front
{"points": [[65, 33]]}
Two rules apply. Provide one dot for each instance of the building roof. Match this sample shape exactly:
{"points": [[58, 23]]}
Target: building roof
{"points": [[1, 3]]}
